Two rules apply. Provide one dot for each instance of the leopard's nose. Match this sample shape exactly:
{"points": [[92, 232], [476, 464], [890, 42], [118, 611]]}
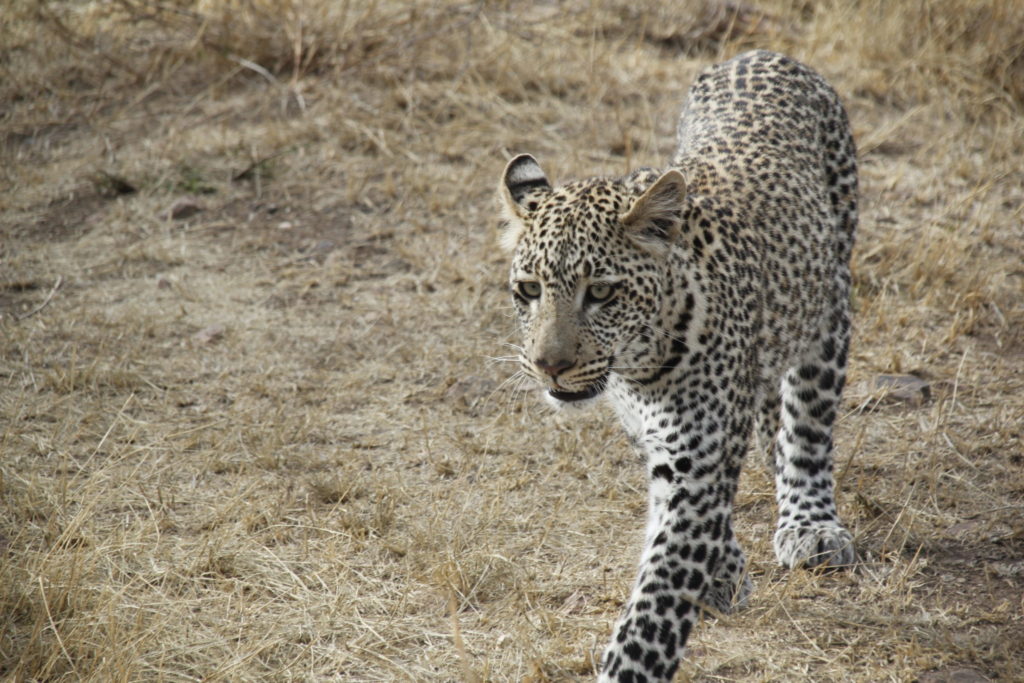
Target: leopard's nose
{"points": [[553, 367]]}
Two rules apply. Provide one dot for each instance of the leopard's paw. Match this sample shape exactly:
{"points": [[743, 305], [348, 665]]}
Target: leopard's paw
{"points": [[728, 595], [821, 544]]}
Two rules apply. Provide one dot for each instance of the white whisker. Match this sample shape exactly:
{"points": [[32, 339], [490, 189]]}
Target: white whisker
{"points": [[491, 360]]}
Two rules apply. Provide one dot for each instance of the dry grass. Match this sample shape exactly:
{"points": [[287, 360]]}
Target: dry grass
{"points": [[267, 441]]}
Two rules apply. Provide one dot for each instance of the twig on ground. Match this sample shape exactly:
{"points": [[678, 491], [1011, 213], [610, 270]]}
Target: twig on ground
{"points": [[46, 301], [53, 626], [468, 675]]}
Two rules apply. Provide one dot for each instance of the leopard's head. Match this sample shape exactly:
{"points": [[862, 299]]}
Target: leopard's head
{"points": [[588, 264]]}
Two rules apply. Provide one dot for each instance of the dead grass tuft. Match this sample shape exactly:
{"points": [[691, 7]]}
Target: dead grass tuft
{"points": [[257, 415]]}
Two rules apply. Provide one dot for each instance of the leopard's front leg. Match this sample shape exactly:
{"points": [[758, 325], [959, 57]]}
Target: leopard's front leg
{"points": [[691, 560]]}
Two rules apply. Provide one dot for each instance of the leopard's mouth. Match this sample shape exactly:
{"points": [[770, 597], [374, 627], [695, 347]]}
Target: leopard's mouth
{"points": [[592, 391]]}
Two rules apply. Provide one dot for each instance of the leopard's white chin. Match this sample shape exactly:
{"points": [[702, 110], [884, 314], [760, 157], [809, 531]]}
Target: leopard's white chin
{"points": [[577, 400], [579, 404]]}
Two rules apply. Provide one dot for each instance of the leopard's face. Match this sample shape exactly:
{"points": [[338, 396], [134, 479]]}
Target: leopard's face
{"points": [[586, 281]]}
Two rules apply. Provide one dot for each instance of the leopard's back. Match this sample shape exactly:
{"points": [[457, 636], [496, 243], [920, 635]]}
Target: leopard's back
{"points": [[768, 138]]}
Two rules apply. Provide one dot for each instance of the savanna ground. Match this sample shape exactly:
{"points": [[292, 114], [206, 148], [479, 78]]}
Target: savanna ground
{"points": [[253, 421]]}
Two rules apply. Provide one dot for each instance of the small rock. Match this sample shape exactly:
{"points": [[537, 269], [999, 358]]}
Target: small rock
{"points": [[183, 208], [962, 675], [907, 388], [209, 334], [966, 529]]}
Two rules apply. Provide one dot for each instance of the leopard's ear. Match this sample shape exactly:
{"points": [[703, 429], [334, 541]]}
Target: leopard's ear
{"points": [[522, 186], [655, 218]]}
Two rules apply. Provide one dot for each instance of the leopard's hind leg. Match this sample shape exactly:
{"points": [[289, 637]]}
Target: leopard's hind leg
{"points": [[809, 532]]}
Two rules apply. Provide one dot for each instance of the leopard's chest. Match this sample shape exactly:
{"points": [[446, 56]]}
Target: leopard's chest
{"points": [[650, 420]]}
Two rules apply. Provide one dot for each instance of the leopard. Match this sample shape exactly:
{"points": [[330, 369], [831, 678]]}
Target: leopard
{"points": [[708, 303]]}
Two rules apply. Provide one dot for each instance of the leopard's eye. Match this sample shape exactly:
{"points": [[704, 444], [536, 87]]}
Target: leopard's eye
{"points": [[599, 292], [528, 289]]}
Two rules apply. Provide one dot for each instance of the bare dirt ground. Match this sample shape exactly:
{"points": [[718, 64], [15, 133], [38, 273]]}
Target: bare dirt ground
{"points": [[254, 423]]}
